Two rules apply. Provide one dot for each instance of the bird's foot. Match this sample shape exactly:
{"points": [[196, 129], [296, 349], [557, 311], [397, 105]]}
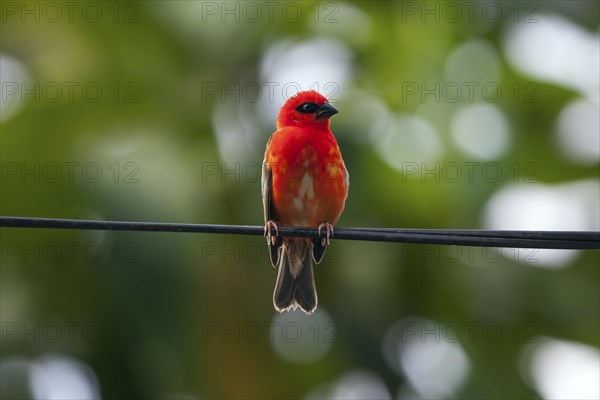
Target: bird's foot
{"points": [[329, 232], [270, 237]]}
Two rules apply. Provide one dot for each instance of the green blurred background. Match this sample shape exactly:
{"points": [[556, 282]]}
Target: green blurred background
{"points": [[452, 115]]}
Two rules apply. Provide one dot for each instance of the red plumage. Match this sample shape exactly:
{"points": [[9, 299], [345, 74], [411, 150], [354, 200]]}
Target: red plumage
{"points": [[304, 183]]}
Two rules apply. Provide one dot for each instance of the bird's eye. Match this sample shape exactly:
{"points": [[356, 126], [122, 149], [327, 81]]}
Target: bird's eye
{"points": [[307, 108]]}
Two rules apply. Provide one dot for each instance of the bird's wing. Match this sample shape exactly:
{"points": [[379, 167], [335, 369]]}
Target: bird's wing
{"points": [[269, 211]]}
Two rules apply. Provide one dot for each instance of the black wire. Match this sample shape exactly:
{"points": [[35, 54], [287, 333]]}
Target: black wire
{"points": [[517, 239]]}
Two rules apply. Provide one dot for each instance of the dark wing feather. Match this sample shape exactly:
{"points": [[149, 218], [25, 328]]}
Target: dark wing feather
{"points": [[269, 211]]}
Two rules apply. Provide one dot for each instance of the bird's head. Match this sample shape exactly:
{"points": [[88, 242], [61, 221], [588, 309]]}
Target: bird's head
{"points": [[306, 108]]}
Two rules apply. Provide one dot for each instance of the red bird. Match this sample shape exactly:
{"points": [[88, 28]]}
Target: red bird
{"points": [[304, 183]]}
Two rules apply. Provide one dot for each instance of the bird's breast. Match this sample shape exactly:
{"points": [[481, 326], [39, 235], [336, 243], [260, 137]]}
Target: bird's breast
{"points": [[309, 182]]}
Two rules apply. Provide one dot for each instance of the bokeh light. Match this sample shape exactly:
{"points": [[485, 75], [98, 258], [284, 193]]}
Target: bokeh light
{"points": [[560, 369], [407, 139], [474, 61], [13, 75], [567, 207], [578, 131], [481, 131], [57, 377], [555, 50], [436, 366], [354, 385]]}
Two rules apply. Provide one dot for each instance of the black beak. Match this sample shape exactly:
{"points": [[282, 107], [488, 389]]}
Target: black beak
{"points": [[326, 110]]}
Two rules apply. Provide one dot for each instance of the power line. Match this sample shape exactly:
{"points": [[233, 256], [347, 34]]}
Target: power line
{"points": [[484, 238]]}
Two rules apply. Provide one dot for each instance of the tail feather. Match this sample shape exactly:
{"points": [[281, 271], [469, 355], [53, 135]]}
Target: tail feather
{"points": [[306, 293], [283, 296], [295, 285]]}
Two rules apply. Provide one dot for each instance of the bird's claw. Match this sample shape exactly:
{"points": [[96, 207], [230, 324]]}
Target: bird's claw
{"points": [[329, 232], [270, 237]]}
